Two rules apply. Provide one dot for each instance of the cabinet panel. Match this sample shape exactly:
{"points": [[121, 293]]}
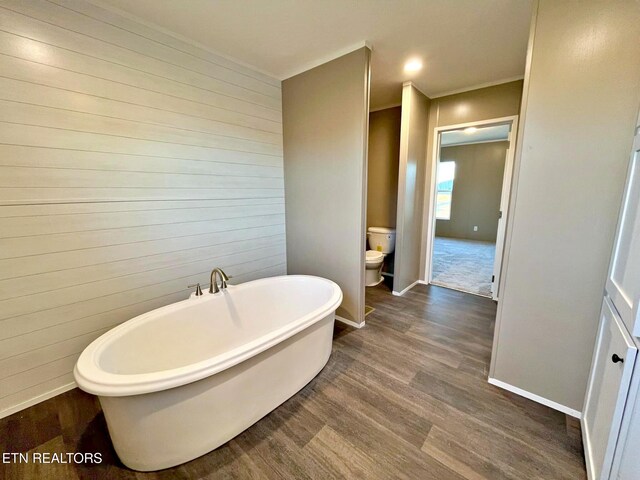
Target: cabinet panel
{"points": [[607, 391], [626, 462], [623, 282]]}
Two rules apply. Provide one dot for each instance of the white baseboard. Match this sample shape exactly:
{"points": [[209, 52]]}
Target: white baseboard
{"points": [[38, 399], [399, 294], [423, 282], [385, 274], [536, 398], [351, 323]]}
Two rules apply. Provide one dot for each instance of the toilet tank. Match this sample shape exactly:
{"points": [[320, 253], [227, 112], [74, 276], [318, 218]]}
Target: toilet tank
{"points": [[382, 239]]}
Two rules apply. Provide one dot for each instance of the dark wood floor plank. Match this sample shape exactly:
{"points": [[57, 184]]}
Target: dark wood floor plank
{"points": [[406, 397], [29, 428], [410, 347], [442, 446], [399, 420], [537, 436], [329, 448], [43, 471], [395, 457], [278, 453], [477, 436]]}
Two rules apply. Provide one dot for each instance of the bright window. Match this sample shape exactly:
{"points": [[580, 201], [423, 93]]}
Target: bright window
{"points": [[446, 174]]}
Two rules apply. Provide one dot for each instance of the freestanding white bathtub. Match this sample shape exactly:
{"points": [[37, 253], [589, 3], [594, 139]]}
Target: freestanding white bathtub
{"points": [[179, 381]]}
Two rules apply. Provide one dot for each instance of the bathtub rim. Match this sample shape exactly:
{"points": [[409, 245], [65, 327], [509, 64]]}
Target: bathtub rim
{"points": [[92, 378]]}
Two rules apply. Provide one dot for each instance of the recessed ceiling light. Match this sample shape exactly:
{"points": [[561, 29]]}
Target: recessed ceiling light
{"points": [[470, 130], [412, 66]]}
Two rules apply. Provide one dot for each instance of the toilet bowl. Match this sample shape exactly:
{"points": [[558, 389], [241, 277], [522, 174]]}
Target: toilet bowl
{"points": [[373, 267], [382, 241]]}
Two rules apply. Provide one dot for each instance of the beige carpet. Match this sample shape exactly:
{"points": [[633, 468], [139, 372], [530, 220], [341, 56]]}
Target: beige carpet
{"points": [[465, 265]]}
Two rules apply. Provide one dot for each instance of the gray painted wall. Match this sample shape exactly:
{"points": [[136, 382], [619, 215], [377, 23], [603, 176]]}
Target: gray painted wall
{"points": [[581, 106], [482, 104], [476, 191], [413, 144], [383, 164], [325, 120]]}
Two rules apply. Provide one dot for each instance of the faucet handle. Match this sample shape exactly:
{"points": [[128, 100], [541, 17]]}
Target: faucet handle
{"points": [[198, 289]]}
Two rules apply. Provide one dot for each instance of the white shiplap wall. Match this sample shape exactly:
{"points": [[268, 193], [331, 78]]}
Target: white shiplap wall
{"points": [[131, 163]]}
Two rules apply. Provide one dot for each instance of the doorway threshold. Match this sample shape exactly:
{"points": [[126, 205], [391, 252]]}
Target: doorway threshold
{"points": [[459, 289]]}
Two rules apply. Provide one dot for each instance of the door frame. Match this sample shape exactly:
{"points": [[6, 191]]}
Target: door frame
{"points": [[504, 197]]}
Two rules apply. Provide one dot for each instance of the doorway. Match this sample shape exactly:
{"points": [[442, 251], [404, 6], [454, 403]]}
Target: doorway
{"points": [[471, 177]]}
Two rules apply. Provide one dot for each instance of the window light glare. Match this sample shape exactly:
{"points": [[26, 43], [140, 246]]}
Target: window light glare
{"points": [[470, 130], [412, 66]]}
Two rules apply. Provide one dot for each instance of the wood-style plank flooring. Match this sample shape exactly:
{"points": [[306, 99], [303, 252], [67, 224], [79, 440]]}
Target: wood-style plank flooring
{"points": [[405, 397]]}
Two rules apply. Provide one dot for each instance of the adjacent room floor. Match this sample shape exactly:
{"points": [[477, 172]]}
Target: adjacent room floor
{"points": [[405, 397], [465, 265]]}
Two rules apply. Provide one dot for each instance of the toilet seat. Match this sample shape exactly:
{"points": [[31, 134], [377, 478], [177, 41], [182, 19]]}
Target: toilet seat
{"points": [[374, 256]]}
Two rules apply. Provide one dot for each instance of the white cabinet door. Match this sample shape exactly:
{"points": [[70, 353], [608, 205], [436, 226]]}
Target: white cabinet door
{"points": [[626, 461], [613, 362], [623, 281]]}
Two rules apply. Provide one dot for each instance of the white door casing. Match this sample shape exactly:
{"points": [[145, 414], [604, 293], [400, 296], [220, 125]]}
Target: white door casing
{"points": [[504, 198], [504, 207]]}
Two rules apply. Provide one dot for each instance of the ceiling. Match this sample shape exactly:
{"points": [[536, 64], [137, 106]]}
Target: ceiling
{"points": [[462, 43], [482, 134]]}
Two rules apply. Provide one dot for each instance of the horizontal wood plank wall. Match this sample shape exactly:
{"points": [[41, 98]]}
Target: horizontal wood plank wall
{"points": [[131, 163]]}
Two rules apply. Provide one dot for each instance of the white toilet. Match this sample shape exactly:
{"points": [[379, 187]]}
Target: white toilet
{"points": [[382, 241]]}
